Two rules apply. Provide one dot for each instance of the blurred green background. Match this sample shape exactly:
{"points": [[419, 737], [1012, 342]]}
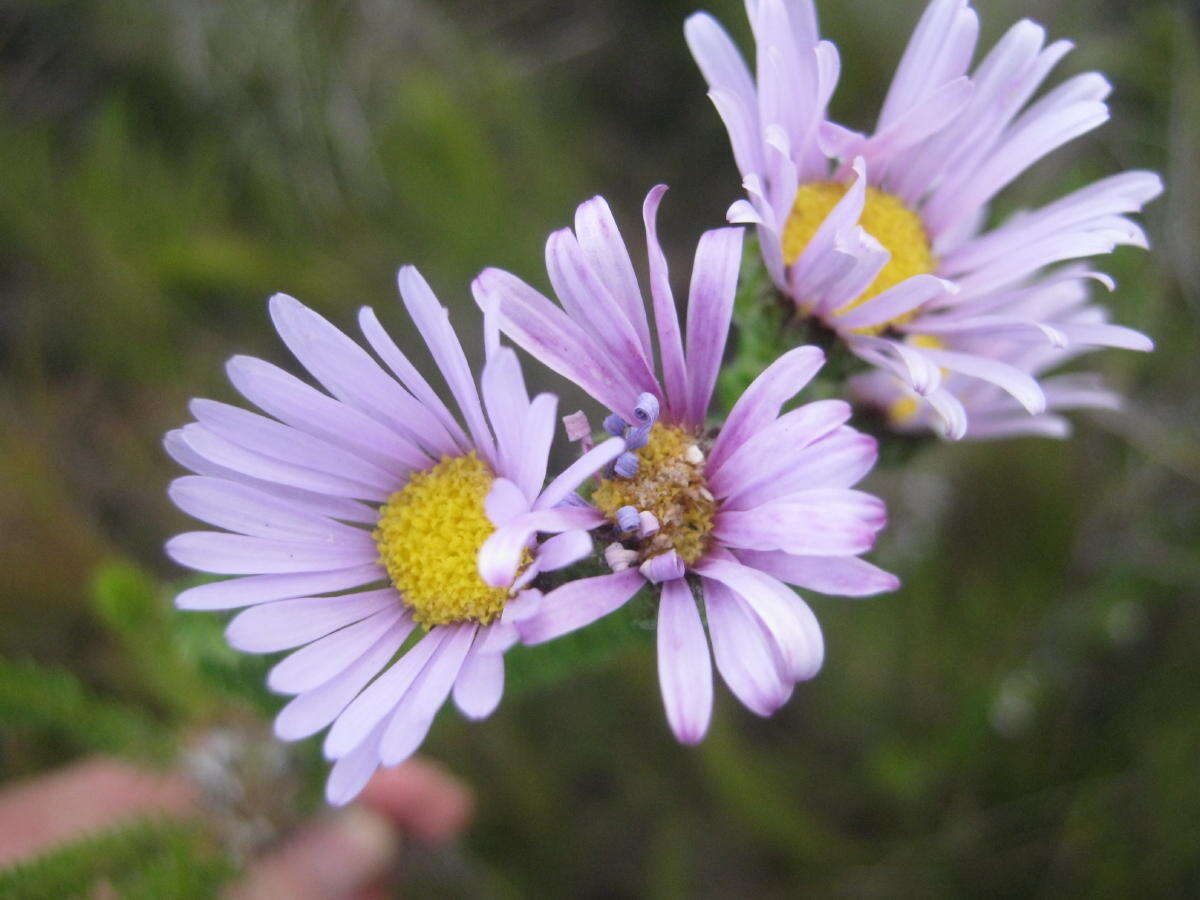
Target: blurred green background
{"points": [[1020, 718]]}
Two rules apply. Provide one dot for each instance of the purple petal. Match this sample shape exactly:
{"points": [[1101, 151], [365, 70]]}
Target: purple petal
{"points": [[775, 443], [605, 249], [839, 460], [939, 50], [578, 603], [546, 332], [840, 576], [500, 555], [382, 343], [309, 712], [806, 272], [284, 624], [246, 510], [589, 301], [563, 549], [316, 663], [375, 704], [710, 308], [1022, 386], [238, 554], [720, 61], [907, 363], [759, 405], [684, 667], [537, 433], [785, 616], [351, 773], [433, 321], [1073, 108], [480, 684], [1104, 335], [504, 502], [231, 456], [666, 317], [294, 403], [235, 592], [352, 376], [179, 450], [910, 294], [578, 472], [417, 708], [1004, 428], [810, 523], [665, 567], [506, 401], [747, 658]]}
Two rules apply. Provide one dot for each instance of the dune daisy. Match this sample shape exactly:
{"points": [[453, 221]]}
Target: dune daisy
{"points": [[881, 237], [990, 412], [355, 519], [764, 502]]}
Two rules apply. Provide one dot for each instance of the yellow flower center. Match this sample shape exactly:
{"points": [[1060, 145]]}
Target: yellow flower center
{"points": [[885, 218], [429, 535], [670, 484], [901, 410]]}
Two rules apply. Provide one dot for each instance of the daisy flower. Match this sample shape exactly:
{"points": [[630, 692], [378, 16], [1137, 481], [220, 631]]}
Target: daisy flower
{"points": [[355, 518], [881, 237], [765, 503], [990, 412]]}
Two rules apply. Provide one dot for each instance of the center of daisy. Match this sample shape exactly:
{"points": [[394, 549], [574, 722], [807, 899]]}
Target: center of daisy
{"points": [[429, 535], [885, 217], [670, 485]]}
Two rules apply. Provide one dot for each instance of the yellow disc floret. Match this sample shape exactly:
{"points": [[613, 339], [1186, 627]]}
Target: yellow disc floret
{"points": [[885, 218], [670, 484], [429, 535]]}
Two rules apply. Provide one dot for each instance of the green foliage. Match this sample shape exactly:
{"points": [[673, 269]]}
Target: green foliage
{"points": [[52, 701], [147, 859], [136, 611]]}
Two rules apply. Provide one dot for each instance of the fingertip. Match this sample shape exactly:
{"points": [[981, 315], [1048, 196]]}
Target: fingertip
{"points": [[422, 799]]}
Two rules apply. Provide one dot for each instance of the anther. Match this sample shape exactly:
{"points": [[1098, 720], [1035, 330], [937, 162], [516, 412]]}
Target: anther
{"points": [[638, 437], [577, 425], [647, 523], [694, 455], [647, 408], [615, 425], [664, 567], [619, 558], [628, 519], [626, 465]]}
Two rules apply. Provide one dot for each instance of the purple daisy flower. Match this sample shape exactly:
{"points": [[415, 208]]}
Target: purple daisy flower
{"points": [[991, 413], [886, 247], [766, 503], [375, 489]]}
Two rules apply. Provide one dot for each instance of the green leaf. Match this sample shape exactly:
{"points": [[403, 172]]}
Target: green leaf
{"points": [[52, 701], [146, 859]]}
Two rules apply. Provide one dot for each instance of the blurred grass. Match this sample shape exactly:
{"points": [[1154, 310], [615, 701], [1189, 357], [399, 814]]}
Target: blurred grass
{"points": [[1019, 719]]}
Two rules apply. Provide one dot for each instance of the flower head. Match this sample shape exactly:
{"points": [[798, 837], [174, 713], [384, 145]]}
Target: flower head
{"points": [[881, 237], [377, 489], [764, 503]]}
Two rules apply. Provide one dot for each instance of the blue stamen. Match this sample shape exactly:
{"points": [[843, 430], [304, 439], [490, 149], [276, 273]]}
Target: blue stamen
{"points": [[637, 437], [646, 411], [628, 519], [626, 465], [615, 425]]}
